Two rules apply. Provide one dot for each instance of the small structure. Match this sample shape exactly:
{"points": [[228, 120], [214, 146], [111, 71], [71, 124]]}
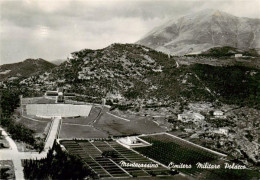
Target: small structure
{"points": [[238, 55], [51, 93], [132, 142], [60, 99], [198, 116], [219, 114], [186, 117], [223, 130]]}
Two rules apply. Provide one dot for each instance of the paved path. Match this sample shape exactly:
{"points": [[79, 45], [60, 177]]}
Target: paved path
{"points": [[13, 154], [177, 64], [73, 124], [118, 117], [33, 119], [52, 133]]}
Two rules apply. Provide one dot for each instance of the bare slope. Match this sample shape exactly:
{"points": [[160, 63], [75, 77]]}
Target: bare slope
{"points": [[200, 31]]}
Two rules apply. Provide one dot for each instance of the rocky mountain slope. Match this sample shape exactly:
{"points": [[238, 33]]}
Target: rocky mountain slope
{"points": [[24, 69], [131, 73], [203, 30]]}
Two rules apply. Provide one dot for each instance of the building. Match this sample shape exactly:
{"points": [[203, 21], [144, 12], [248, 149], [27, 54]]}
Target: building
{"points": [[132, 142], [60, 99], [238, 55], [219, 114], [223, 130], [186, 117], [198, 116], [51, 93]]}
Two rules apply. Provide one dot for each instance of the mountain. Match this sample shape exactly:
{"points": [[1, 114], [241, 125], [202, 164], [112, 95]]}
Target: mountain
{"points": [[25, 68], [135, 74], [203, 30]]}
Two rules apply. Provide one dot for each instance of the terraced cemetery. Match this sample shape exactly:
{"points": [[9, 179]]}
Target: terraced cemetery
{"points": [[92, 153], [167, 149]]}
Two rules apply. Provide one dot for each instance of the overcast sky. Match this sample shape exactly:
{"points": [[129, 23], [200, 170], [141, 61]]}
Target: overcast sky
{"points": [[53, 29]]}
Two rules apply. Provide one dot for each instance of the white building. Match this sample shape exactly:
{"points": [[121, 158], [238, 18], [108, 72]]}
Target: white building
{"points": [[186, 117], [238, 55], [223, 131], [198, 116], [219, 114], [132, 142]]}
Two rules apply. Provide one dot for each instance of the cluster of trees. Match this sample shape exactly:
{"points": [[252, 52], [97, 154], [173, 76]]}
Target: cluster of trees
{"points": [[232, 84], [4, 173], [18, 131], [57, 165], [10, 101]]}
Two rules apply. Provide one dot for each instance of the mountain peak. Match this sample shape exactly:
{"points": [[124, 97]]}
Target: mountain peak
{"points": [[217, 13], [203, 30]]}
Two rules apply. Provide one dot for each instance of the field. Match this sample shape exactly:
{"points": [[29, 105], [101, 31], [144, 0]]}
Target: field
{"points": [[83, 120], [109, 166], [117, 127], [38, 100], [40, 127], [76, 131], [167, 149], [63, 110]]}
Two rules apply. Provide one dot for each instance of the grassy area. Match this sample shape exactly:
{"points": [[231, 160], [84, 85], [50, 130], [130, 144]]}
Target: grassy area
{"points": [[75, 131], [117, 127], [39, 128], [84, 120], [166, 149], [100, 155]]}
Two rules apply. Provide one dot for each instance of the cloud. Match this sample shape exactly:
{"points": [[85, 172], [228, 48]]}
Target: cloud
{"points": [[53, 29]]}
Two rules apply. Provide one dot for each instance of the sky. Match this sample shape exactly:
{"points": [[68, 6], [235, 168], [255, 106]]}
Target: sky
{"points": [[52, 29]]}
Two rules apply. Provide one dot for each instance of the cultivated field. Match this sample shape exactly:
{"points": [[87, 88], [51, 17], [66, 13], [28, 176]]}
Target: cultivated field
{"points": [[63, 110], [109, 167], [117, 127], [167, 149]]}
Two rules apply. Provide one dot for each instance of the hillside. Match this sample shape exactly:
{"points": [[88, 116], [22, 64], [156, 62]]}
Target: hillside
{"points": [[24, 69], [134, 74], [203, 30], [227, 51]]}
